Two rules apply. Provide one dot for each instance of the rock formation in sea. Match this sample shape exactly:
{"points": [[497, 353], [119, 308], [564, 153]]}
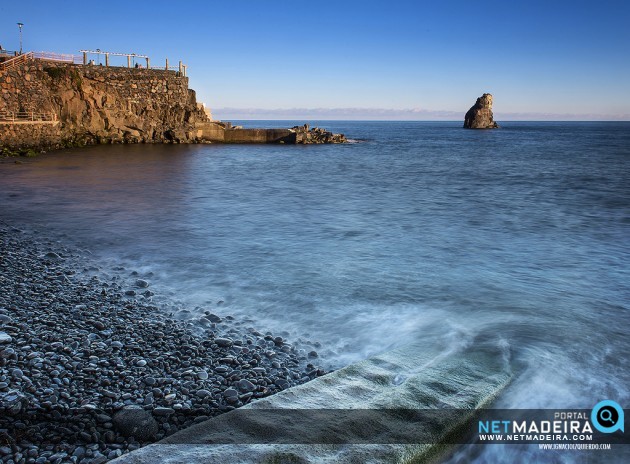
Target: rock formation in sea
{"points": [[479, 116]]}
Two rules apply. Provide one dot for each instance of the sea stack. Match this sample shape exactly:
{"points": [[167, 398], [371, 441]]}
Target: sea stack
{"points": [[480, 115]]}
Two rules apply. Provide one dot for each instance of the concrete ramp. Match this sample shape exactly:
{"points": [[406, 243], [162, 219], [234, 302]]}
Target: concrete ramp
{"points": [[405, 405]]}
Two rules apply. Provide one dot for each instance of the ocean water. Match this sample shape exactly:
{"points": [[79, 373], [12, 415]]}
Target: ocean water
{"points": [[419, 231]]}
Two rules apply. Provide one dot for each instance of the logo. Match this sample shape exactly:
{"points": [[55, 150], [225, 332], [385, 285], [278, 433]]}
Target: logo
{"points": [[607, 416]]}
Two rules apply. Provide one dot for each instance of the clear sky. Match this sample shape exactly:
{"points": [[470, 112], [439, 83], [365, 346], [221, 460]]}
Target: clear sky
{"points": [[361, 59]]}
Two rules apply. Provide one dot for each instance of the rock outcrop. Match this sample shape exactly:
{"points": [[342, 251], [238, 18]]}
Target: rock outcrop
{"points": [[85, 105], [306, 135], [480, 115], [96, 104]]}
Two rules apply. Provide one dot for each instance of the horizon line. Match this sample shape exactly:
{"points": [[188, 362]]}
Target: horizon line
{"points": [[390, 114]]}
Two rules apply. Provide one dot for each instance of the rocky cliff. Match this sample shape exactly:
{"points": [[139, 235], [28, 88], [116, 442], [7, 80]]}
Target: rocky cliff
{"points": [[480, 116], [95, 104], [82, 104]]}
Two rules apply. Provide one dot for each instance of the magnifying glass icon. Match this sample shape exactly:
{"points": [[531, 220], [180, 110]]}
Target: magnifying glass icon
{"points": [[605, 415]]}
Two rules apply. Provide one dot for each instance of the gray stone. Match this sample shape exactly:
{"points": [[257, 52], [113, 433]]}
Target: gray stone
{"points": [[135, 422], [5, 338], [162, 411], [202, 375], [141, 283], [224, 342], [245, 385], [282, 384], [203, 393]]}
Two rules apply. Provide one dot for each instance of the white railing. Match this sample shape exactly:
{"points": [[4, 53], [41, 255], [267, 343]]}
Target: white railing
{"points": [[59, 57], [15, 61], [27, 116]]}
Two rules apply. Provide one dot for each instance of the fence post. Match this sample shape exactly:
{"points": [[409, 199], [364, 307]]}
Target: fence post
{"points": [[167, 64], [148, 63], [106, 60], [84, 58]]}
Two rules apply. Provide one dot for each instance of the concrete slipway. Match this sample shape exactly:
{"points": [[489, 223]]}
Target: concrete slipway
{"points": [[406, 378]]}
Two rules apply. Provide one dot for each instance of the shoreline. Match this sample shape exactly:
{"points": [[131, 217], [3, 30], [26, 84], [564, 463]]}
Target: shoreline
{"points": [[89, 373]]}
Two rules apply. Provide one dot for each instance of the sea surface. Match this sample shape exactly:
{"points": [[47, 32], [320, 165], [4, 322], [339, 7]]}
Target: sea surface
{"points": [[417, 231]]}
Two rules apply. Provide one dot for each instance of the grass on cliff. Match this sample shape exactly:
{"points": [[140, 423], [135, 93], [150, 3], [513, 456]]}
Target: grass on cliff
{"points": [[58, 73]]}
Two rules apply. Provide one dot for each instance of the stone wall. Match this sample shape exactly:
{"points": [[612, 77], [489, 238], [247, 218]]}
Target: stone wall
{"points": [[97, 104], [24, 135]]}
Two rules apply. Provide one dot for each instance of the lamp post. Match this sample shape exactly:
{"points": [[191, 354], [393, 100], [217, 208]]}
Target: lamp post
{"points": [[20, 26]]}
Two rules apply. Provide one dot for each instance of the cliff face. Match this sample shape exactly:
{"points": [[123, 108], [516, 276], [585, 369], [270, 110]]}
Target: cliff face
{"points": [[480, 116], [78, 105], [95, 104]]}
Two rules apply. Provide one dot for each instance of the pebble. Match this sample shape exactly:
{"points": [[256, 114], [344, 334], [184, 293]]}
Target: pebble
{"points": [[135, 422], [141, 283], [80, 345], [246, 386], [224, 342], [203, 393], [162, 411]]}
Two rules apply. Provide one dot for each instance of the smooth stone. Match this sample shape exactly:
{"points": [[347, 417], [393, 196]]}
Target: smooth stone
{"points": [[203, 393], [52, 255], [7, 353], [17, 373], [245, 385], [141, 363], [135, 422], [230, 392], [98, 325], [141, 283], [162, 411], [223, 342], [202, 375], [5, 338], [150, 381], [117, 344], [4, 319], [281, 383], [130, 293]]}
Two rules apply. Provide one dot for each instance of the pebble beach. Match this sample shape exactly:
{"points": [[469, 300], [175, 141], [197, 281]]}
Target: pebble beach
{"points": [[91, 368]]}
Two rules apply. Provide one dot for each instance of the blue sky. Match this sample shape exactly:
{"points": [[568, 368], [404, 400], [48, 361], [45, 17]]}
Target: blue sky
{"points": [[361, 59]]}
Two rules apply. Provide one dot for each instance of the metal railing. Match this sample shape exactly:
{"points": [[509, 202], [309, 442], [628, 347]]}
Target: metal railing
{"points": [[27, 116]]}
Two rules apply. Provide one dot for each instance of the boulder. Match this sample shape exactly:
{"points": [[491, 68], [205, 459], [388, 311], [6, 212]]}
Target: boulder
{"points": [[480, 115], [136, 422]]}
